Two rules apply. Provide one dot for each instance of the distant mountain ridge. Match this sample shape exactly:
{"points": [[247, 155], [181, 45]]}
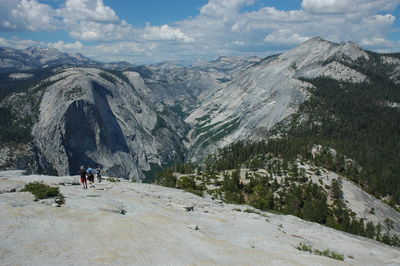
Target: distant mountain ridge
{"points": [[33, 58]]}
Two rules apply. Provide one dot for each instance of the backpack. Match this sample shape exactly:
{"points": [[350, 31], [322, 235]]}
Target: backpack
{"points": [[90, 171]]}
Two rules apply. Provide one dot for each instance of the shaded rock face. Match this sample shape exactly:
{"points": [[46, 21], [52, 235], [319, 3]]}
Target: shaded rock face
{"points": [[82, 120], [86, 119]]}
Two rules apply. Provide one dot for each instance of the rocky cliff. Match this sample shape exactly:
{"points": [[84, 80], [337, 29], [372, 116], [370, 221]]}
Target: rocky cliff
{"points": [[89, 116]]}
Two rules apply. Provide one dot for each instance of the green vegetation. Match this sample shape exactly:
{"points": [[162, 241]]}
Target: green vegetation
{"points": [[161, 123], [326, 252], [14, 129], [113, 179], [43, 191], [177, 109], [188, 183], [166, 178], [8, 86], [185, 168], [107, 76], [150, 175], [343, 116], [220, 132], [73, 93], [342, 127], [294, 193]]}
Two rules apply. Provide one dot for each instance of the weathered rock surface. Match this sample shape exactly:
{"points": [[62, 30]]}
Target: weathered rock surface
{"points": [[89, 116], [154, 229], [264, 93]]}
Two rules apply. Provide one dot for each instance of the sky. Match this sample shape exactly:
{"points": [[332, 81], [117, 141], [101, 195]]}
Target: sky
{"points": [[151, 31]]}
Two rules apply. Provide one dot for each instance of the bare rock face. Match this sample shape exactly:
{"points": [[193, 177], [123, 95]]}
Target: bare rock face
{"points": [[265, 93], [88, 116]]}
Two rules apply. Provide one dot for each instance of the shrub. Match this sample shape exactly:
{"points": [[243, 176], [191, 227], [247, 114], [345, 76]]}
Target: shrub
{"points": [[194, 191], [188, 184], [43, 191], [113, 179], [60, 199], [327, 253]]}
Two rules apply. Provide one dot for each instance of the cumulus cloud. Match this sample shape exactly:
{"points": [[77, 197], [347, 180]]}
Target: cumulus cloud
{"points": [[285, 36], [97, 31], [225, 9], [377, 42], [88, 10], [347, 6], [165, 32], [62, 46], [27, 15]]}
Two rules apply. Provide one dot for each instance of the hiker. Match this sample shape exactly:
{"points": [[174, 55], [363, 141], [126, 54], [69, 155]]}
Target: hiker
{"points": [[82, 173], [98, 173], [90, 173]]}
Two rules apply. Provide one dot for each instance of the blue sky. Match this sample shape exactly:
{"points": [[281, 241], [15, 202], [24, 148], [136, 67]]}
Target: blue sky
{"points": [[149, 31]]}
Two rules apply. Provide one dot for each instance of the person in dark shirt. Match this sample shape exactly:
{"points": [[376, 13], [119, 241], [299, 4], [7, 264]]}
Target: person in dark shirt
{"points": [[98, 173], [82, 173], [90, 176]]}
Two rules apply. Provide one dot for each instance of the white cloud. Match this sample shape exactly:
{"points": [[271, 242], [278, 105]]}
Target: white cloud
{"points": [[88, 10], [380, 20], [27, 15], [347, 6], [329, 6], [165, 32], [62, 46], [97, 31], [377, 42], [18, 43], [285, 36]]}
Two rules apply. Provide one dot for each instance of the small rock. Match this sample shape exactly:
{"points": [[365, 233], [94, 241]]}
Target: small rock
{"points": [[55, 205], [189, 208], [193, 227]]}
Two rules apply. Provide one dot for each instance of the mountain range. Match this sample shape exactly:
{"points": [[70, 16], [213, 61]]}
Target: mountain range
{"points": [[68, 110]]}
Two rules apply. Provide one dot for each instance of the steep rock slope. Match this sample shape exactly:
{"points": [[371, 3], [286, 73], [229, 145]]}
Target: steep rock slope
{"points": [[156, 229], [89, 116], [261, 95]]}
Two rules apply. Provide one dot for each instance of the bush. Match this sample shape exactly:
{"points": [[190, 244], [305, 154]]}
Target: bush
{"points": [[194, 191], [43, 191], [327, 253], [188, 184], [113, 179]]}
